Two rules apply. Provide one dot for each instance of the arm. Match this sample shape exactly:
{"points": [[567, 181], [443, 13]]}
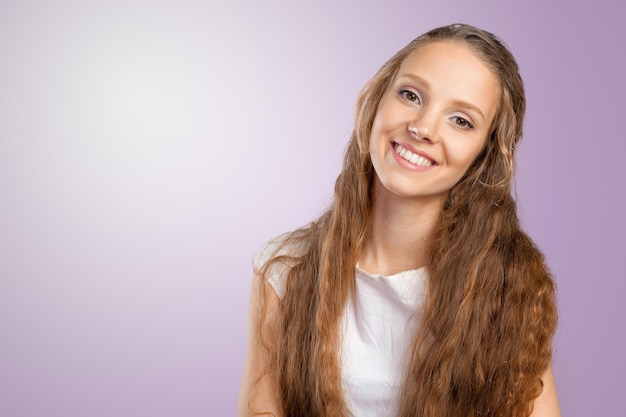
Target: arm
{"points": [[547, 404], [258, 393]]}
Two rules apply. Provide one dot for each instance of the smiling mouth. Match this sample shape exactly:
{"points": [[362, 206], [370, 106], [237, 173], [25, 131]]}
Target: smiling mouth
{"points": [[411, 157]]}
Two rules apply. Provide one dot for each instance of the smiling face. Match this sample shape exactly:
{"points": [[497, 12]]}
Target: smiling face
{"points": [[432, 121]]}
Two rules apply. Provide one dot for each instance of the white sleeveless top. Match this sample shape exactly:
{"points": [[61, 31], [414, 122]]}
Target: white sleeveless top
{"points": [[378, 324]]}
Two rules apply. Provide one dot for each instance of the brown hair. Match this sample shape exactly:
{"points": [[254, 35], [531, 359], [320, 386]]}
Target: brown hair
{"points": [[486, 327]]}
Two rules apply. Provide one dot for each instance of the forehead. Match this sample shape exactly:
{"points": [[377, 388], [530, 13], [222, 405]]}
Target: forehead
{"points": [[453, 71]]}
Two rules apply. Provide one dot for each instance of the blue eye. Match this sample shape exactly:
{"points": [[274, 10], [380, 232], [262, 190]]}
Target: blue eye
{"points": [[411, 96], [462, 122]]}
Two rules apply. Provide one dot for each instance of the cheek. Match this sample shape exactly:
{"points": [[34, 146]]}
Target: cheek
{"points": [[377, 132], [465, 153], [378, 141], [379, 122], [387, 116]]}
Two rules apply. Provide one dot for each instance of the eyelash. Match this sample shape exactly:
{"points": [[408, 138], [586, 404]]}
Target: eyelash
{"points": [[405, 92], [466, 124]]}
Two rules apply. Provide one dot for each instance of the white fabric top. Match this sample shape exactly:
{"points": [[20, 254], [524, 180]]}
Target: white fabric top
{"points": [[377, 327]]}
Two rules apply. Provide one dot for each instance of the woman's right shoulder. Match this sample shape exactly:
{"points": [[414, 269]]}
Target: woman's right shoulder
{"points": [[276, 257]]}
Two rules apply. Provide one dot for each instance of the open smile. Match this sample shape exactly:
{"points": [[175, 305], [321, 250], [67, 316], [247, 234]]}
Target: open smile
{"points": [[413, 158]]}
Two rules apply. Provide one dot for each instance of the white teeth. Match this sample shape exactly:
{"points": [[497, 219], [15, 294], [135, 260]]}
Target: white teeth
{"points": [[413, 158]]}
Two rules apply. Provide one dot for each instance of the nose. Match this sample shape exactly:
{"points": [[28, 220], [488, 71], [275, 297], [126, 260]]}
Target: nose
{"points": [[424, 127]]}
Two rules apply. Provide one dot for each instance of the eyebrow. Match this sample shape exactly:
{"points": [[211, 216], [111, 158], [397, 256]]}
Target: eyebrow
{"points": [[457, 103]]}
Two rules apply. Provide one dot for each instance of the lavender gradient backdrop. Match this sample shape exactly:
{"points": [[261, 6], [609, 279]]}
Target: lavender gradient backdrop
{"points": [[149, 148]]}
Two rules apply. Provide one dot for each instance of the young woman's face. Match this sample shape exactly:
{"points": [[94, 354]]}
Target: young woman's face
{"points": [[433, 121]]}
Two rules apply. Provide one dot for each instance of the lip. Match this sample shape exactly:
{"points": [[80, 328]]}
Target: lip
{"points": [[406, 164]]}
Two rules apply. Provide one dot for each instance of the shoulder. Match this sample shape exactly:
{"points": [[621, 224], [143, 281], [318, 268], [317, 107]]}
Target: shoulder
{"points": [[274, 260]]}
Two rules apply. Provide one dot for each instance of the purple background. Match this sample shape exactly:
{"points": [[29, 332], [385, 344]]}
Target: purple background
{"points": [[148, 149]]}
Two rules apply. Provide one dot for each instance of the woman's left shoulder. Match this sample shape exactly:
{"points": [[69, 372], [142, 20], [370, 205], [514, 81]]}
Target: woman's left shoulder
{"points": [[547, 404]]}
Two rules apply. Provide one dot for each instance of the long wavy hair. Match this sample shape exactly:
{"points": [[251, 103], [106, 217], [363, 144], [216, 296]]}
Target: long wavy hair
{"points": [[486, 327]]}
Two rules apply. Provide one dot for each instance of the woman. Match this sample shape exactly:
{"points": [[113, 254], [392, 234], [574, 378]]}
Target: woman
{"points": [[416, 293]]}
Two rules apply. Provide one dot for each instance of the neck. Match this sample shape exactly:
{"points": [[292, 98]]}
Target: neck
{"points": [[399, 232]]}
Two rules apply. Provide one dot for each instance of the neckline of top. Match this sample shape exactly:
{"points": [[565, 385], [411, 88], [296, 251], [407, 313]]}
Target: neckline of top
{"points": [[410, 272]]}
